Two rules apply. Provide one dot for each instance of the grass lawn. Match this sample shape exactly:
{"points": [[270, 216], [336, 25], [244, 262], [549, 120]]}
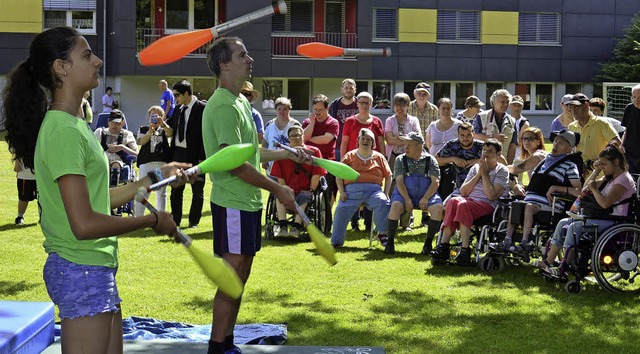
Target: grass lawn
{"points": [[400, 302]]}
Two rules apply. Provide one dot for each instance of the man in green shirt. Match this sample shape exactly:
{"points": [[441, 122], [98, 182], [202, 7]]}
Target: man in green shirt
{"points": [[236, 200]]}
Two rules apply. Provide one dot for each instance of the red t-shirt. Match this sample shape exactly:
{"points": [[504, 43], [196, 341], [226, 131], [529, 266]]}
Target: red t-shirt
{"points": [[352, 128], [298, 181], [331, 126]]}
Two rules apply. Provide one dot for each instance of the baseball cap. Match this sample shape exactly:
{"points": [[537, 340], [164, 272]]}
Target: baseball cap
{"points": [[116, 116], [566, 98], [423, 86], [412, 136], [572, 138], [517, 99], [473, 101], [578, 99]]}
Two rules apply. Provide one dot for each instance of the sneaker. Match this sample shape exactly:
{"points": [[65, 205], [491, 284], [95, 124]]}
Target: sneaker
{"points": [[464, 256], [441, 253], [19, 220], [383, 239], [294, 232], [355, 227], [283, 232], [554, 272], [193, 225], [501, 246]]}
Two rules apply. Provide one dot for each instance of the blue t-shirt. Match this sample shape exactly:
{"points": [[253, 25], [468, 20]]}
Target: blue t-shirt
{"points": [[167, 97], [257, 118]]}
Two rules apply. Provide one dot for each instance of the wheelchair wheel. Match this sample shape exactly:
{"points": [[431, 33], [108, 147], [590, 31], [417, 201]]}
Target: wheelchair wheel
{"points": [[491, 263], [614, 260], [573, 287], [322, 213], [270, 218]]}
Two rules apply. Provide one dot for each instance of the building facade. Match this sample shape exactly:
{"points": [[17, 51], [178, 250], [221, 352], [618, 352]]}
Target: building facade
{"points": [[539, 49]]}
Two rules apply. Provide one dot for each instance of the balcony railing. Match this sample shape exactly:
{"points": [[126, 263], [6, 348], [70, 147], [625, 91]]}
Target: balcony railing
{"points": [[146, 36], [285, 44]]}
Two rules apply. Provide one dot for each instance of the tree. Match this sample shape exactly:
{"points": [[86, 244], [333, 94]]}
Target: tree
{"points": [[625, 64]]}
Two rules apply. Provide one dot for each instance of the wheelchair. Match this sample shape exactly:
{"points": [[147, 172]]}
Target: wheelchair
{"points": [[512, 211], [608, 257], [318, 210], [122, 176]]}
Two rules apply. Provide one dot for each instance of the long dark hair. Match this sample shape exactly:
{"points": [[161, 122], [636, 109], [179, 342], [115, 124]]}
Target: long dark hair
{"points": [[25, 96]]}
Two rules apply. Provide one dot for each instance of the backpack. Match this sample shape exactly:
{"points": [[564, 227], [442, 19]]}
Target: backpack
{"points": [[105, 147]]}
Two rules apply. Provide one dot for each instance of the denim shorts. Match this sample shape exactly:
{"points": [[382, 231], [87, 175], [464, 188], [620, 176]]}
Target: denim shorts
{"points": [[80, 290]]}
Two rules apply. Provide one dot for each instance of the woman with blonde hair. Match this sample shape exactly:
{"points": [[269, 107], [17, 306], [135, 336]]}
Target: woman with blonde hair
{"points": [[531, 154]]}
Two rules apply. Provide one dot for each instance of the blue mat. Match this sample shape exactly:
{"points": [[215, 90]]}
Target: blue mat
{"points": [[140, 328]]}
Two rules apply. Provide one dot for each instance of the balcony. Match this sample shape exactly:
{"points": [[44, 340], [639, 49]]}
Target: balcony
{"points": [[283, 45], [146, 36]]}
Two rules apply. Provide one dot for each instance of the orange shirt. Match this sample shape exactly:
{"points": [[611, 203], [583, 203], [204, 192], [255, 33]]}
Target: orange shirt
{"points": [[374, 170]]}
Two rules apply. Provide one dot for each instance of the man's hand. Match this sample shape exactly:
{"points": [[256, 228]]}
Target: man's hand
{"points": [[177, 169], [424, 203], [286, 196], [408, 205], [166, 225], [460, 162], [343, 196], [500, 137], [115, 148], [302, 155]]}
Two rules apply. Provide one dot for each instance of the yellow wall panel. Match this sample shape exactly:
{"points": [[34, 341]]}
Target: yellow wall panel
{"points": [[21, 16], [417, 25], [499, 27]]}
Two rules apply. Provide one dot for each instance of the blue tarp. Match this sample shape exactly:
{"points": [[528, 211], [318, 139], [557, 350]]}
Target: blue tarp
{"points": [[140, 328]]}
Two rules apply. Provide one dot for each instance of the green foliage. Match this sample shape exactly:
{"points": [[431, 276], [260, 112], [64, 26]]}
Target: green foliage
{"points": [[400, 302], [625, 63]]}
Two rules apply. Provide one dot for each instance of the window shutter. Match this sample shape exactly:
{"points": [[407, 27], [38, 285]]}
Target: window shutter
{"points": [[539, 28], [89, 5], [385, 24], [459, 26]]}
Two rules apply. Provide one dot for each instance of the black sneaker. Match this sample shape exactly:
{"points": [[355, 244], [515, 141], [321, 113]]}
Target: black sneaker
{"points": [[19, 220], [464, 257], [355, 227], [523, 248], [441, 253]]}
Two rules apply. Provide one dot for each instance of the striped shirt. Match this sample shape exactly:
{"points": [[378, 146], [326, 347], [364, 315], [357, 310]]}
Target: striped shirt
{"points": [[566, 169]]}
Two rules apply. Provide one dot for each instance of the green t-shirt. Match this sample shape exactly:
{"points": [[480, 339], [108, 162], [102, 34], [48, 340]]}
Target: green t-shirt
{"points": [[227, 120], [66, 146]]}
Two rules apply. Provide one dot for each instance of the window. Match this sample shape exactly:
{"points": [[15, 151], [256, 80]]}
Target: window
{"points": [[459, 90], [79, 14], [573, 88], [385, 24], [440, 89], [537, 97], [177, 14], [539, 28], [297, 90], [299, 17], [459, 26], [380, 90], [409, 87]]}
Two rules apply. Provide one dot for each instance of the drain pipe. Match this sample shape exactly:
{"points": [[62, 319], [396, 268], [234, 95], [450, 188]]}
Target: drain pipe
{"points": [[104, 46]]}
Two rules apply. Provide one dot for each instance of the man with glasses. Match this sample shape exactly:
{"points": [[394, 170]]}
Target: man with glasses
{"points": [[302, 178], [596, 132], [631, 121], [426, 111]]}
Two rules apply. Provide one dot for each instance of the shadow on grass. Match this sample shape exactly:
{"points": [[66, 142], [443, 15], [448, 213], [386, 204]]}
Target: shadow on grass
{"points": [[12, 226], [9, 288]]}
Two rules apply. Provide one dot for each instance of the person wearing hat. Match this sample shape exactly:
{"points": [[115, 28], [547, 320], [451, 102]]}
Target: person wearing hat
{"points": [[522, 123], [565, 118], [557, 173], [498, 124], [426, 111], [417, 178], [612, 191], [596, 132], [473, 106], [371, 189], [253, 96], [116, 141]]}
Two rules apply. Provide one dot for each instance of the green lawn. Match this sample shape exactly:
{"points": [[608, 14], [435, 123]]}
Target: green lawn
{"points": [[409, 306]]}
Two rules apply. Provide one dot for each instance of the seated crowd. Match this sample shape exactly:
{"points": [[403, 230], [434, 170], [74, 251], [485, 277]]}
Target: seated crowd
{"points": [[457, 170]]}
